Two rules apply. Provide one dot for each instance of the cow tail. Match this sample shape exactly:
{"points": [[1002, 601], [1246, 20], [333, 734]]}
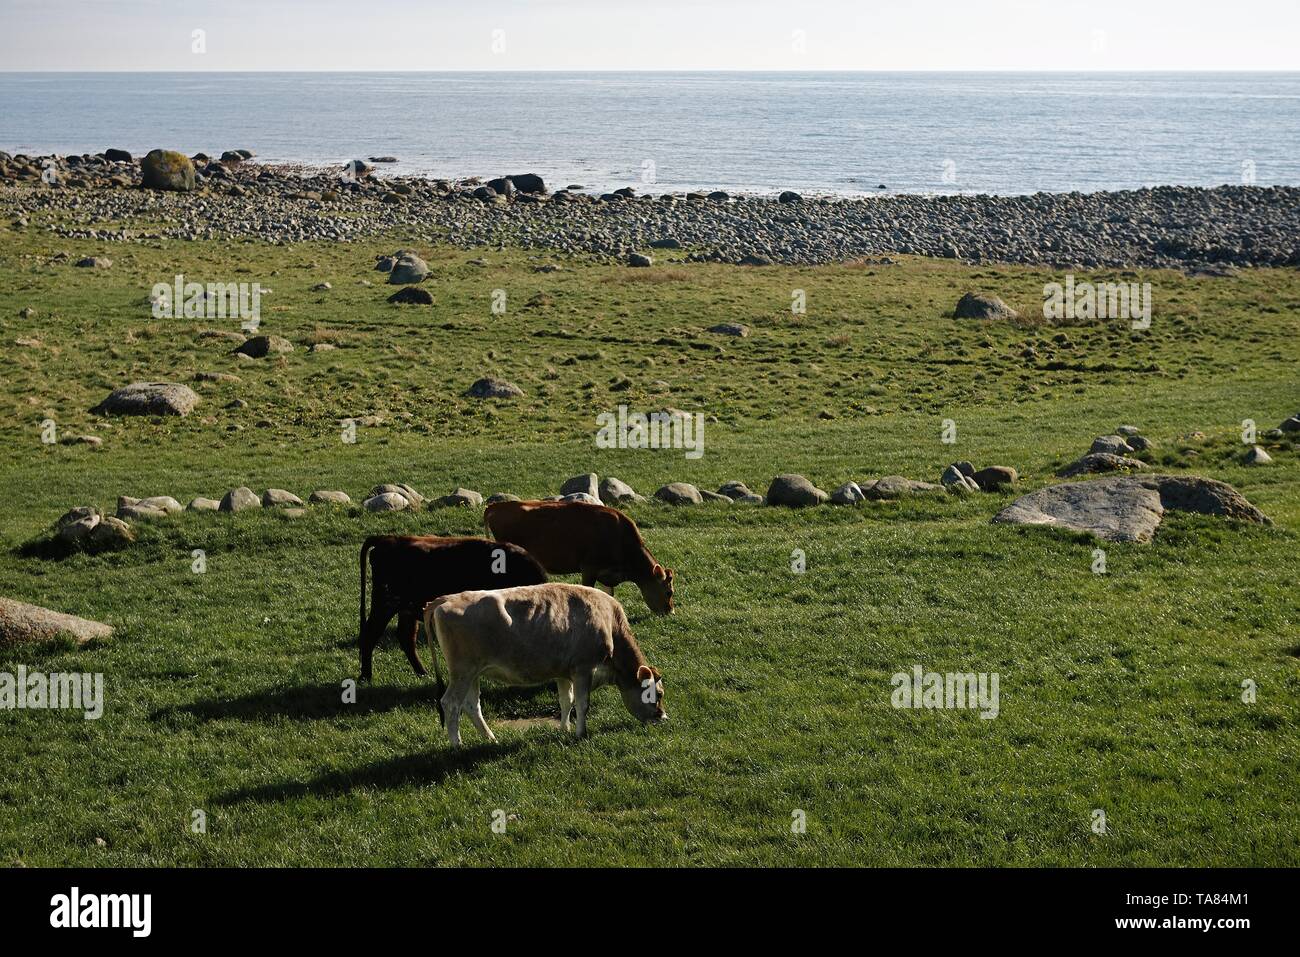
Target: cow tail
{"points": [[439, 686], [365, 547]]}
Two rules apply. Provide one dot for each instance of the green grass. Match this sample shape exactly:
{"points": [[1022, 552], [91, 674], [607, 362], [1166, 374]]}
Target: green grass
{"points": [[1119, 692]]}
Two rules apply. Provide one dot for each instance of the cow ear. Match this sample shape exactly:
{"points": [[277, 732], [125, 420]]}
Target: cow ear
{"points": [[644, 672], [657, 571]]}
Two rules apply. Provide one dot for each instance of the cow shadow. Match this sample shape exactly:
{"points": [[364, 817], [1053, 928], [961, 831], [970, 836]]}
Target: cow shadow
{"points": [[316, 702], [423, 768]]}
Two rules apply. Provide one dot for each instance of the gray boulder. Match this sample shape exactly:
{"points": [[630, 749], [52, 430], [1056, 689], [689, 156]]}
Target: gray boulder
{"points": [[1127, 508], [847, 494], [588, 484], [203, 505], [386, 502], [167, 170], [975, 306], [465, 497], [326, 497], [239, 499], [612, 491], [1257, 456], [259, 347], [896, 486], [149, 398], [581, 497], [794, 491], [734, 490], [408, 268], [995, 477], [1111, 445], [490, 388]]}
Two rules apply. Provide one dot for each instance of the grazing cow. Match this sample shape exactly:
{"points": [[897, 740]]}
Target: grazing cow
{"points": [[573, 635], [411, 570], [600, 542]]}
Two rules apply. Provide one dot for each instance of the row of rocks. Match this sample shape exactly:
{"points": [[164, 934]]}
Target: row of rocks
{"points": [[1166, 227]]}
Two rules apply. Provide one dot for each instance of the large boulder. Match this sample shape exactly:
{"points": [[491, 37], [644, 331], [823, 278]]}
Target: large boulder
{"points": [[975, 306], [386, 502], [408, 268], [528, 183], [490, 388], [794, 491], [1111, 445], [1127, 508], [149, 398], [279, 498], [329, 497], [21, 622], [994, 477], [167, 169], [847, 494]]}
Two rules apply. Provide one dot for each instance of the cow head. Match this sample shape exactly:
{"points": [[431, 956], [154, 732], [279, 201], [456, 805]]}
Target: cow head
{"points": [[644, 697], [658, 590]]}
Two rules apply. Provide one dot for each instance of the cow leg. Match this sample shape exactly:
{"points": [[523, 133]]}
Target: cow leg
{"points": [[408, 627], [381, 613], [582, 693], [564, 690], [453, 700], [476, 712]]}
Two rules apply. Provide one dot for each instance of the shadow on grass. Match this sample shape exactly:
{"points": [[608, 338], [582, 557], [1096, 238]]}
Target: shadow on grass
{"points": [[320, 701], [426, 767]]}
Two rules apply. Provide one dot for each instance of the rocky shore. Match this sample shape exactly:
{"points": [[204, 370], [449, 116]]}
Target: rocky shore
{"points": [[233, 196]]}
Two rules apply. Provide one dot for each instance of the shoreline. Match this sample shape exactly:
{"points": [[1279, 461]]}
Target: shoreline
{"points": [[1177, 227]]}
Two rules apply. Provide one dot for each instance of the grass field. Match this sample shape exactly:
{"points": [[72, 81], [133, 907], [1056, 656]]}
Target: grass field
{"points": [[1119, 692]]}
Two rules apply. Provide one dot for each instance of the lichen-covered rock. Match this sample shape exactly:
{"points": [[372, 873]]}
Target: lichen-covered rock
{"points": [[168, 170], [976, 306], [490, 388], [240, 499]]}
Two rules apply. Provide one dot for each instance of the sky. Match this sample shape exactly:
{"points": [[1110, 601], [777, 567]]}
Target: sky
{"points": [[194, 35]]}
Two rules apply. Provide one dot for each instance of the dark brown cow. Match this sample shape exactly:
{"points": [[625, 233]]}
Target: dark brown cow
{"points": [[601, 543], [410, 571]]}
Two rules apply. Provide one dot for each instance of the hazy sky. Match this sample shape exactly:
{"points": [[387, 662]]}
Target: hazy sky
{"points": [[649, 35]]}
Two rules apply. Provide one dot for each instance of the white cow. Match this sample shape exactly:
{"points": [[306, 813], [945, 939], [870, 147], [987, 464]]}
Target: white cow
{"points": [[576, 636]]}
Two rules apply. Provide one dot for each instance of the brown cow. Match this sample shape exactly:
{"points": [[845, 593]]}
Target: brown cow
{"points": [[600, 542], [411, 570]]}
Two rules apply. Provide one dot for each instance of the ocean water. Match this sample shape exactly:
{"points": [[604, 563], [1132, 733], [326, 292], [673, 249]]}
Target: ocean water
{"points": [[819, 133]]}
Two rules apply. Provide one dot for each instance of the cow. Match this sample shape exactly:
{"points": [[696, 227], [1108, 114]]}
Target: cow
{"points": [[600, 542], [573, 635], [411, 570]]}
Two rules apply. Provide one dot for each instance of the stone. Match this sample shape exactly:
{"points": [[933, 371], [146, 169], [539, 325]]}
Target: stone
{"points": [[258, 347], [994, 477], [21, 622], [201, 504], [149, 398], [413, 498], [167, 170], [1127, 508], [164, 503], [750, 499], [1128, 431], [386, 502], [789, 196], [707, 496], [320, 497], [94, 441], [279, 498], [1140, 443], [111, 533], [964, 485], [1101, 462], [588, 484], [458, 497], [93, 262], [679, 493], [975, 306], [490, 388], [794, 491], [581, 497], [952, 476], [239, 499], [734, 490], [896, 486], [1111, 445], [965, 468], [408, 268], [412, 296], [1291, 425], [730, 329], [612, 491], [502, 497], [216, 377], [640, 259], [847, 494], [1257, 456], [75, 525]]}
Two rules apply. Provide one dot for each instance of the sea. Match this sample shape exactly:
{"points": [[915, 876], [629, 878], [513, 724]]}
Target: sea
{"points": [[846, 134]]}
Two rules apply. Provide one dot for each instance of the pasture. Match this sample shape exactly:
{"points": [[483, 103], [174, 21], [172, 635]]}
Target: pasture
{"points": [[1120, 692]]}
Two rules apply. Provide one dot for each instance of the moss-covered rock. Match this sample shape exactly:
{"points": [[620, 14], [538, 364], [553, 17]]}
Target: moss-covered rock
{"points": [[167, 169]]}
